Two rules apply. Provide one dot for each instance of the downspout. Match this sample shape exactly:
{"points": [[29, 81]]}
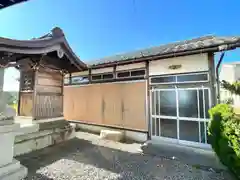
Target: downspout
{"points": [[217, 74]]}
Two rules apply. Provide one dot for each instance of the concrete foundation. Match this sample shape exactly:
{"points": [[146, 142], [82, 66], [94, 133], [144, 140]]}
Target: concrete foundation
{"points": [[10, 169], [32, 137], [127, 134]]}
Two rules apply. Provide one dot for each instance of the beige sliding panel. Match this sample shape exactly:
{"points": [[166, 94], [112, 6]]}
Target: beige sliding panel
{"points": [[83, 103], [75, 103], [94, 103], [134, 103], [111, 105]]}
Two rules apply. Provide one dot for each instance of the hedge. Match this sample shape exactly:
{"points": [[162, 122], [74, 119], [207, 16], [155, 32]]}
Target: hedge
{"points": [[224, 136]]}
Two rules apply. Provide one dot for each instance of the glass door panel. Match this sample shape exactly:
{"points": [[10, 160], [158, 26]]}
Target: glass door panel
{"points": [[180, 113], [168, 105], [188, 103], [189, 130], [168, 128]]}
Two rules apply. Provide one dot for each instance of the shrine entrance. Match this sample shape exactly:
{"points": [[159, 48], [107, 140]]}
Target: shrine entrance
{"points": [[42, 63]]}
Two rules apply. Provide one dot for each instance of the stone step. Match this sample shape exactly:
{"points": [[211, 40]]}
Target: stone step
{"points": [[13, 171], [10, 167], [27, 129]]}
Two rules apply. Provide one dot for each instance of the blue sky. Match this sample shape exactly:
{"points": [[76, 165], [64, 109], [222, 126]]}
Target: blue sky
{"points": [[98, 28]]}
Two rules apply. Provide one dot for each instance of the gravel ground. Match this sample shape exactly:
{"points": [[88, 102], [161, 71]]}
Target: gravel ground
{"points": [[89, 158]]}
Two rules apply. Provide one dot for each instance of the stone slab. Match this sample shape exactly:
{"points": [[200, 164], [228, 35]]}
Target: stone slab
{"points": [[26, 129], [111, 135], [6, 122], [60, 123], [7, 142], [18, 174], [11, 167], [23, 120], [41, 139], [32, 145], [9, 128]]}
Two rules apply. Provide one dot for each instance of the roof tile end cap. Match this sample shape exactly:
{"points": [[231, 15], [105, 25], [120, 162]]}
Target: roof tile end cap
{"points": [[57, 32]]}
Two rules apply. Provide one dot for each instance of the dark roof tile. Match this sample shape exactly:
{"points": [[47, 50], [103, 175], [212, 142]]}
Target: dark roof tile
{"points": [[187, 45]]}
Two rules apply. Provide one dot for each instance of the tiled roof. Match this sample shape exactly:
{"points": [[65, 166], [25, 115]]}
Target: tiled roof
{"points": [[54, 42], [7, 3], [182, 46]]}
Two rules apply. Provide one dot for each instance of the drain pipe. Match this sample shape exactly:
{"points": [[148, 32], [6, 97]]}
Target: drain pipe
{"points": [[217, 74]]}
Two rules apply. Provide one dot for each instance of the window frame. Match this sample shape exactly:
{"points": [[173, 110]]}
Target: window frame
{"points": [[182, 74], [130, 73], [203, 141], [102, 74], [73, 83]]}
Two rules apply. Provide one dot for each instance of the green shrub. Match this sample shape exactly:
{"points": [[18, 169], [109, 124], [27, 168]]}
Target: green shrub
{"points": [[224, 136]]}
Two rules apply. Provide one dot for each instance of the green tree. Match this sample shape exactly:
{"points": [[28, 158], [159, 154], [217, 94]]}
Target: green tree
{"points": [[232, 87], [224, 131]]}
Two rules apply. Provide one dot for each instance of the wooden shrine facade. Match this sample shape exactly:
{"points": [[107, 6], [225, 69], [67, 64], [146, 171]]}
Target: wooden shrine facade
{"points": [[41, 93], [42, 63]]}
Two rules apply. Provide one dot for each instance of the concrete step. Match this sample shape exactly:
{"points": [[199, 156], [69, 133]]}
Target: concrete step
{"points": [[13, 171], [27, 129], [43, 138]]}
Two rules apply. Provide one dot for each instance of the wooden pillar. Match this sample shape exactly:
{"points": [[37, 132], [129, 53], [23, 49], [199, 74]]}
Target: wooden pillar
{"points": [[19, 93], [70, 78], [90, 76], [2, 98], [34, 93]]}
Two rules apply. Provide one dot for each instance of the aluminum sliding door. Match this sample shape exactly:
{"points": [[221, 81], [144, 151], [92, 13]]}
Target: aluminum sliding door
{"points": [[180, 114]]}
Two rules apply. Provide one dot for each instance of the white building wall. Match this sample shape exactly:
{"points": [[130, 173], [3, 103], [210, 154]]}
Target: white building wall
{"points": [[230, 73], [102, 70], [237, 72], [191, 63], [227, 73], [130, 66]]}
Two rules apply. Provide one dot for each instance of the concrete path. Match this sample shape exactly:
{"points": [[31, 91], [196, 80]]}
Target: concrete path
{"points": [[88, 157]]}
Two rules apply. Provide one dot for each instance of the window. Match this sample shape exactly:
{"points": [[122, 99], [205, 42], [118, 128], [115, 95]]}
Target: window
{"points": [[188, 103], [107, 76], [183, 78], [27, 81], [80, 79], [192, 77], [137, 73], [131, 73], [164, 79], [168, 128], [168, 103], [123, 74], [96, 77]]}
